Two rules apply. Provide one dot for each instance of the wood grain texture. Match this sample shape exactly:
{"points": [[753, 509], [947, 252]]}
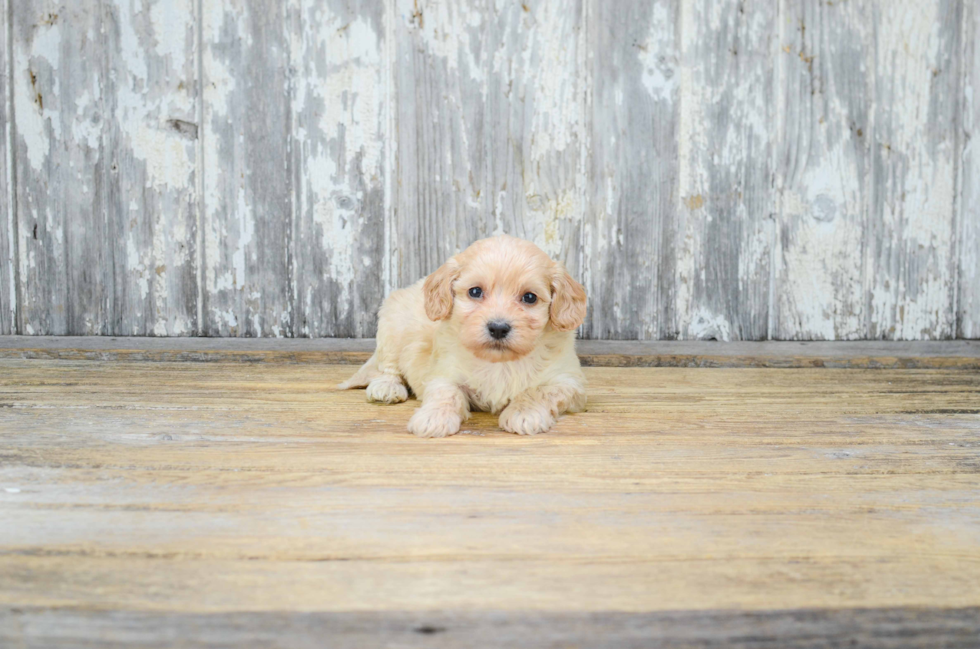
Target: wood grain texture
{"points": [[629, 241], [911, 280], [709, 170], [441, 200], [489, 129], [968, 294], [947, 354], [248, 180], [724, 230], [8, 240], [151, 110], [154, 491], [65, 268], [866, 172], [795, 629], [822, 170], [338, 86], [537, 131]]}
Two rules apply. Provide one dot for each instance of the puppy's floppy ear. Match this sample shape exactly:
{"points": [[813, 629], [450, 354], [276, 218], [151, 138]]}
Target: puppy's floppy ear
{"points": [[438, 290], [568, 301]]}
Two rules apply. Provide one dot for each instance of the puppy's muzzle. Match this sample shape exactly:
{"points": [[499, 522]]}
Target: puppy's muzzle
{"points": [[498, 329]]}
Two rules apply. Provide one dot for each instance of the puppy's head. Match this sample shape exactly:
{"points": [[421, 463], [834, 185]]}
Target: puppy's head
{"points": [[504, 293]]}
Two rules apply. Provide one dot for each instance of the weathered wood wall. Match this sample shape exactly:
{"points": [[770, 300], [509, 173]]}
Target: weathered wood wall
{"points": [[800, 169]]}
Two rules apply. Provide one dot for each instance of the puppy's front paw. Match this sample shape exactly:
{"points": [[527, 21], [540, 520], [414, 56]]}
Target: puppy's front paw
{"points": [[526, 420], [387, 389], [434, 422]]}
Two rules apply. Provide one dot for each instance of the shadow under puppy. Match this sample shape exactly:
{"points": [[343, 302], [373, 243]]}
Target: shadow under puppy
{"points": [[492, 329]]}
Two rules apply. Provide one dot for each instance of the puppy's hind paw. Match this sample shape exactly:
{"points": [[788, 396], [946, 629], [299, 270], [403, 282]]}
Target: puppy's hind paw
{"points": [[434, 422], [526, 421], [387, 389]]}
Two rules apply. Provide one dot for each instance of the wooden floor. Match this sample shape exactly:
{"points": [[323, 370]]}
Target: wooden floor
{"points": [[230, 504]]}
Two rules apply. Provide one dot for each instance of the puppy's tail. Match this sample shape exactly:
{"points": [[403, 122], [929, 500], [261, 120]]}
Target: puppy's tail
{"points": [[363, 376]]}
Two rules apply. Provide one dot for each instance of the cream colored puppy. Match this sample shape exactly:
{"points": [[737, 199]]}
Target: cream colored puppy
{"points": [[493, 329]]}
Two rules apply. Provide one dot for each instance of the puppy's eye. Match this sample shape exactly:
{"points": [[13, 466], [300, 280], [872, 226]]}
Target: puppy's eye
{"points": [[476, 292], [529, 298]]}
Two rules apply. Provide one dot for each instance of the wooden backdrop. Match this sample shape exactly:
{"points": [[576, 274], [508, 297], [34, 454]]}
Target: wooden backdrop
{"points": [[731, 169]]}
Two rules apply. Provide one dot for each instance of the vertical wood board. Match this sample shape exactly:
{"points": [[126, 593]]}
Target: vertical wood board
{"points": [[632, 195], [968, 214], [536, 128], [8, 249], [910, 279], [151, 132], [822, 166], [65, 271], [490, 129], [709, 170], [338, 87], [441, 197], [724, 236], [248, 181]]}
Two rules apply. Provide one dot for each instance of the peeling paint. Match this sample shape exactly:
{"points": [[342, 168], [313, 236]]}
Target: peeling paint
{"points": [[153, 108], [448, 30], [657, 57], [709, 169], [37, 125], [338, 106]]}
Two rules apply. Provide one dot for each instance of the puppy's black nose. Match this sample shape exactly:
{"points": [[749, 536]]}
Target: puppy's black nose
{"points": [[498, 330]]}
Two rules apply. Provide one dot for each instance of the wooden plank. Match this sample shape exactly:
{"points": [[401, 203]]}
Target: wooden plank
{"points": [[440, 201], [854, 355], [339, 153], [65, 273], [823, 176], [536, 134], [499, 583], [489, 129], [962, 355], [238, 350], [140, 495], [724, 235], [797, 629], [151, 131], [634, 62], [248, 179], [968, 294], [911, 279], [8, 238], [507, 117]]}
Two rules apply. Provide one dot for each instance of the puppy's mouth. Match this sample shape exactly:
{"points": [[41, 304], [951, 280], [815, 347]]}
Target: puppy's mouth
{"points": [[497, 351]]}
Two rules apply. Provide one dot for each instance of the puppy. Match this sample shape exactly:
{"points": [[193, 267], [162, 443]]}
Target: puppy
{"points": [[493, 329]]}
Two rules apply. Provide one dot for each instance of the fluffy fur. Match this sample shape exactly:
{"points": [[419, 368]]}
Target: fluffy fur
{"points": [[433, 336]]}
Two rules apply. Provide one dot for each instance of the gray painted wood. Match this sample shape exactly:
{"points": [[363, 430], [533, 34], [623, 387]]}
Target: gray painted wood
{"points": [[910, 250], [58, 76], [151, 138], [248, 181], [441, 197], [968, 215], [822, 169], [8, 285], [338, 86], [723, 236], [730, 170], [632, 200], [535, 127], [866, 171], [489, 129]]}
